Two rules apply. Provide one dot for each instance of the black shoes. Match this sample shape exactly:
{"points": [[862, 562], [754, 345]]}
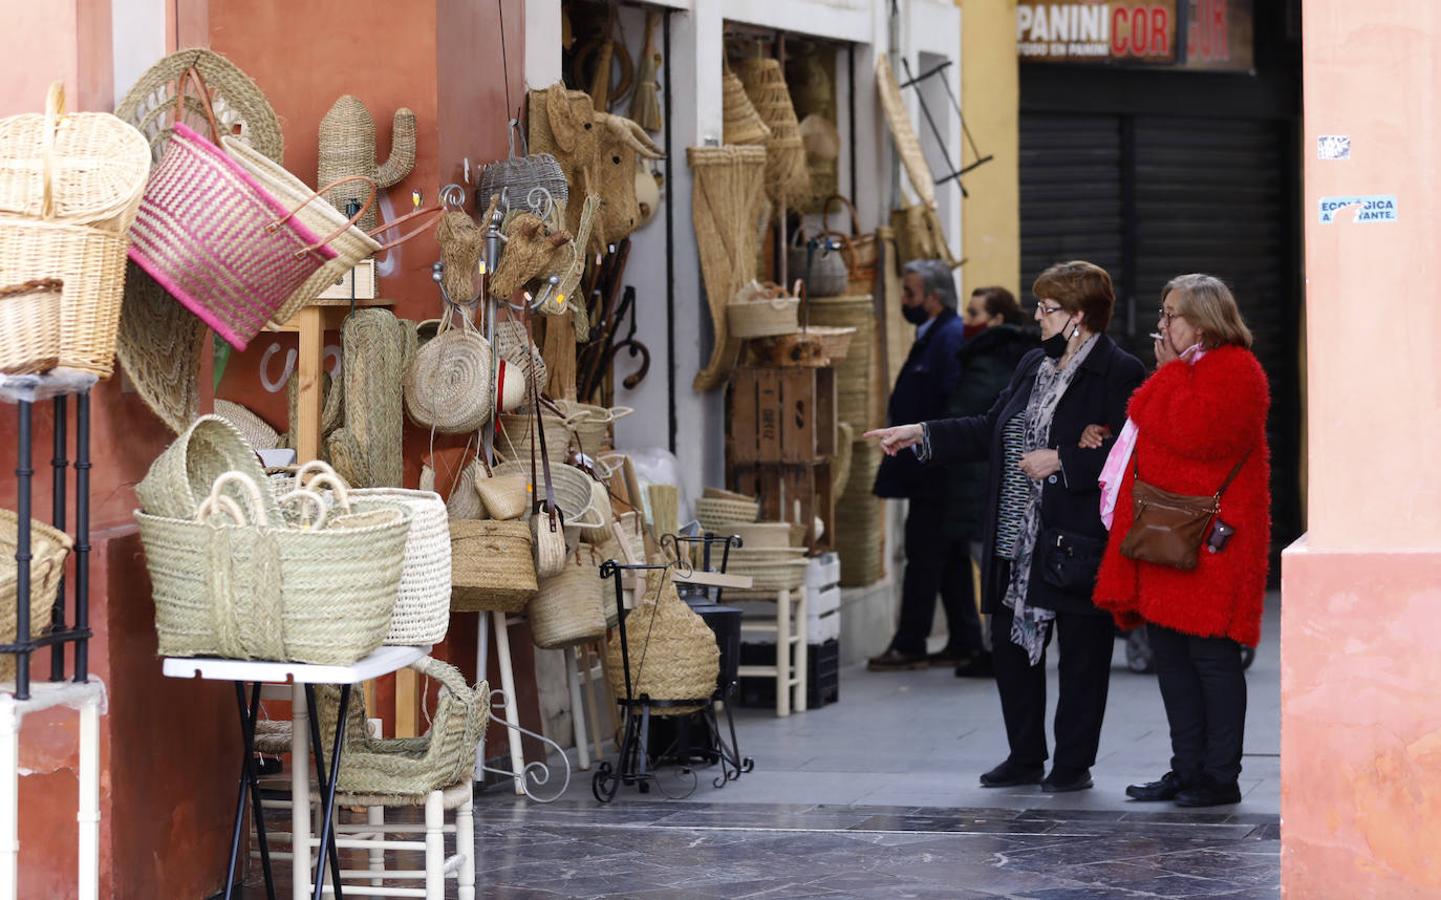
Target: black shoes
{"points": [[947, 658], [975, 665], [895, 661], [1209, 793], [1064, 781], [1009, 774], [1155, 791]]}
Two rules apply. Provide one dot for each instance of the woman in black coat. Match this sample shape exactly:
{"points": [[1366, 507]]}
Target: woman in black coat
{"points": [[1043, 532]]}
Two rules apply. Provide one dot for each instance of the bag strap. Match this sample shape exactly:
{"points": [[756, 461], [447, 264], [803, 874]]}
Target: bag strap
{"points": [[435, 210], [1235, 470], [850, 208], [193, 74], [538, 423]]}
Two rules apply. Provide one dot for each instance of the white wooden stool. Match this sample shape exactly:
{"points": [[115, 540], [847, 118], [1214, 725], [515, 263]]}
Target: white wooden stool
{"points": [[788, 625]]}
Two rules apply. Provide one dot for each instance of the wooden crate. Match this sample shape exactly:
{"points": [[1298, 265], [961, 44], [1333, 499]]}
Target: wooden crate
{"points": [[792, 493], [781, 415]]}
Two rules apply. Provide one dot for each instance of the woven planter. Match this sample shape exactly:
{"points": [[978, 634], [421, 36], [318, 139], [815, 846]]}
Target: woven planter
{"points": [[219, 242], [350, 244], [244, 591], [181, 478], [48, 549], [30, 327], [568, 610], [855, 383], [492, 566], [673, 653], [860, 527]]}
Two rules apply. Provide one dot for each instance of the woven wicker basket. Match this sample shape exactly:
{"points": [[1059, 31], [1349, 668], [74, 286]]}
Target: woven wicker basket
{"points": [[568, 610], [447, 383], [30, 326], [715, 514], [503, 497], [762, 316], [219, 242], [180, 478], [75, 168], [572, 486], [410, 767], [422, 602], [786, 171], [91, 263], [321, 595], [591, 424], [48, 549], [257, 432], [350, 244], [860, 533], [770, 574], [855, 402], [492, 566], [673, 653], [513, 440], [742, 124]]}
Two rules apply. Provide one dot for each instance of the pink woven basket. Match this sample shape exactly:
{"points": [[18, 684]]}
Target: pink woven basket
{"points": [[218, 241]]}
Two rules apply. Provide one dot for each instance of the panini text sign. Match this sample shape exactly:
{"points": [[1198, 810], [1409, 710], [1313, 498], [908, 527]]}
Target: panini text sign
{"points": [[1196, 34]]}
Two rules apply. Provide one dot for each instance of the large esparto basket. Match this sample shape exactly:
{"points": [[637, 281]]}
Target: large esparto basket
{"points": [[257, 432], [572, 486], [30, 326], [591, 424], [673, 653], [218, 242], [715, 513], [322, 596], [422, 602], [515, 435], [569, 608], [350, 244], [860, 537], [48, 549], [447, 382], [181, 478], [854, 384], [91, 265], [492, 565]]}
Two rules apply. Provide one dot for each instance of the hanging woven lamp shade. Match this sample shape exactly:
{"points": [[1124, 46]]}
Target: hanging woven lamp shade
{"points": [[786, 171], [743, 124]]}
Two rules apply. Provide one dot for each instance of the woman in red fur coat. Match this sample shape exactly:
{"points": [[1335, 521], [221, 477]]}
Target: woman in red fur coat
{"points": [[1199, 418]]}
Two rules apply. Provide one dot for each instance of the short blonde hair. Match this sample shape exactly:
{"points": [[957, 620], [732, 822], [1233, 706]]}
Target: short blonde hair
{"points": [[1206, 302]]}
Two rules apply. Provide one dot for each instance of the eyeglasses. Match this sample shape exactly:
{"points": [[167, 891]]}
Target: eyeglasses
{"points": [[1165, 317], [1048, 310]]}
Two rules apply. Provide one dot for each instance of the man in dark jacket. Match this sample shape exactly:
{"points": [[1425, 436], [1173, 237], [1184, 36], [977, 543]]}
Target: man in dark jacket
{"points": [[995, 343], [935, 563]]}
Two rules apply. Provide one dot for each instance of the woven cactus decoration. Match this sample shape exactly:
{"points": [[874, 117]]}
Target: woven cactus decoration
{"points": [[347, 147]]}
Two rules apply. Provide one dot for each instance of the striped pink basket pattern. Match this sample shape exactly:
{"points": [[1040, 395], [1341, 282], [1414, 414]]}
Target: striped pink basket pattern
{"points": [[218, 242]]}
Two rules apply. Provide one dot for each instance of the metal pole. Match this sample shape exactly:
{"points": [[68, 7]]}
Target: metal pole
{"points": [[22, 553], [59, 464], [82, 535]]}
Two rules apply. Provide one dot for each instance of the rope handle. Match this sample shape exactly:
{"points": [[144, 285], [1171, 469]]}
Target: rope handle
{"points": [[349, 223], [312, 467], [54, 112], [311, 497], [26, 287], [435, 210], [214, 505], [337, 486], [850, 207], [246, 486]]}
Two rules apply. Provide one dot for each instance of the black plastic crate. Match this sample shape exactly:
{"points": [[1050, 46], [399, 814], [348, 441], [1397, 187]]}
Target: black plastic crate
{"points": [[823, 675]]}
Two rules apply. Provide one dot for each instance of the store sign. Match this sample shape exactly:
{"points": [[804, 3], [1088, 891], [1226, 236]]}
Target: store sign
{"points": [[1197, 34]]}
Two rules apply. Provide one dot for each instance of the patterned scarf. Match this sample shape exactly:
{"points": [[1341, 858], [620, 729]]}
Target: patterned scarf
{"points": [[1031, 626]]}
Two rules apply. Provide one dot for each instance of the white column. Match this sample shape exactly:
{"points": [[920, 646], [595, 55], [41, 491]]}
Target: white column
{"points": [[9, 799], [88, 815]]}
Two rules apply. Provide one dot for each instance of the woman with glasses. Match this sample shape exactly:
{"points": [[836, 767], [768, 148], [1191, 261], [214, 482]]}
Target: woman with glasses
{"points": [[1198, 430], [1043, 533]]}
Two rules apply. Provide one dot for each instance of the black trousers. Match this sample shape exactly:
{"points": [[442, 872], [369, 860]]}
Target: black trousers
{"points": [[936, 564], [1203, 684], [1085, 643]]}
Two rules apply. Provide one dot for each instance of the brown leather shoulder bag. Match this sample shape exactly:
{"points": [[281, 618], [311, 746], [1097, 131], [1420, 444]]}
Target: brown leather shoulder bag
{"points": [[1168, 528]]}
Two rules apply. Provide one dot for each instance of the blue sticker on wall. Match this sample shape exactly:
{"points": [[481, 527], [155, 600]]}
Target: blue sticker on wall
{"points": [[1367, 207]]}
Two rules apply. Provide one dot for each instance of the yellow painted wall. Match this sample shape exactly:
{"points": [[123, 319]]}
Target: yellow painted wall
{"points": [[990, 101]]}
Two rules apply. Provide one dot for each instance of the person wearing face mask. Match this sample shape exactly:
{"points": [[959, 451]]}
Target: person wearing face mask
{"points": [[1196, 428], [935, 562], [995, 343], [1043, 532]]}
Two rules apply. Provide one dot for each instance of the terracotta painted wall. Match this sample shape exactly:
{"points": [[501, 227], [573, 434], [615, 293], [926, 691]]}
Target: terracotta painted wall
{"points": [[1361, 728]]}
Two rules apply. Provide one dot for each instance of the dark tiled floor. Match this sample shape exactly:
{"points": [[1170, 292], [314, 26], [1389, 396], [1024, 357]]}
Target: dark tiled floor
{"points": [[702, 850]]}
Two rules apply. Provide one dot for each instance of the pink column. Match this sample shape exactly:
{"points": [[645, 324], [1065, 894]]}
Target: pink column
{"points": [[1361, 611]]}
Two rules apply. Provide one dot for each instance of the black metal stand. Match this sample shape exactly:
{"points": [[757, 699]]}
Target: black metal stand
{"points": [[913, 81], [57, 634], [249, 786]]}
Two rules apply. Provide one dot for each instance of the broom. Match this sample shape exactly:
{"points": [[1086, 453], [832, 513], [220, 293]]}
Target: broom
{"points": [[645, 104]]}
